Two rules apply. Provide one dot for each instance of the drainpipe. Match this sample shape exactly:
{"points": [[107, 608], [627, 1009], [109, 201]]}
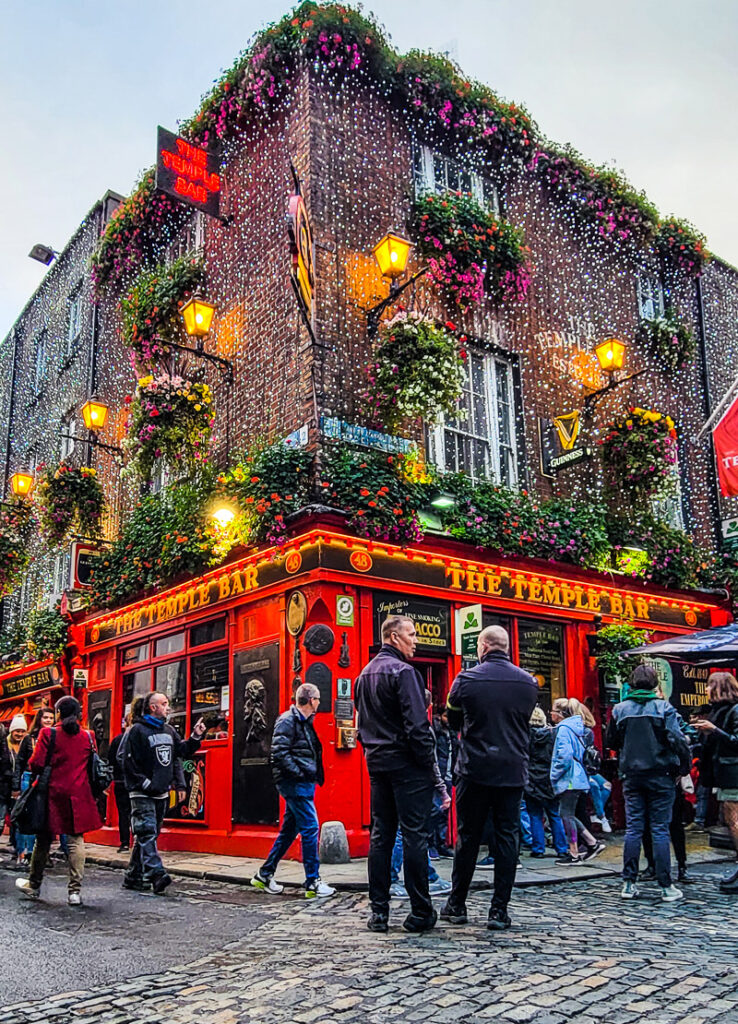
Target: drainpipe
{"points": [[707, 403]]}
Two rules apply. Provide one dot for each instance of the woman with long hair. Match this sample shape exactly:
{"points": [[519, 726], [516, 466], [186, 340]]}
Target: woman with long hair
{"points": [[719, 764], [569, 776], [22, 776], [72, 808]]}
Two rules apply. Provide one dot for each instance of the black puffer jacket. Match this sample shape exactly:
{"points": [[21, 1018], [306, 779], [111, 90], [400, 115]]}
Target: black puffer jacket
{"points": [[297, 753], [539, 786], [719, 763]]}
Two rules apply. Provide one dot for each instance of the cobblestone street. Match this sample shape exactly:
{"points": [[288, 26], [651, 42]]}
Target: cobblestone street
{"points": [[576, 952]]}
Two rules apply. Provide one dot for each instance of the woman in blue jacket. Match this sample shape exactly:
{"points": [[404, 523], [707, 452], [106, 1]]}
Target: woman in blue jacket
{"points": [[569, 776]]}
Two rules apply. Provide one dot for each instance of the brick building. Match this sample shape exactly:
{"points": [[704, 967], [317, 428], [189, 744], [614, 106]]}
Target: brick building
{"points": [[360, 157]]}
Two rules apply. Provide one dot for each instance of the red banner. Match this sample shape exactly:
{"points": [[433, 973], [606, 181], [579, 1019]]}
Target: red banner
{"points": [[725, 439]]}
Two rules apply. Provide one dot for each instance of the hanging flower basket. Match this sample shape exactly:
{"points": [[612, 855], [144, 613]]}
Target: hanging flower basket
{"points": [[682, 246], [668, 340], [69, 499], [638, 453], [170, 419], [151, 309], [15, 527], [470, 253], [418, 372]]}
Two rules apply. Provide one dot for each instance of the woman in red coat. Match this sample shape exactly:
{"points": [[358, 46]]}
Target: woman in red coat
{"points": [[72, 808]]}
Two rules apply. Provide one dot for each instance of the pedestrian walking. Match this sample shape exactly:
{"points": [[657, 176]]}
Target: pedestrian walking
{"points": [[6, 778], [645, 732], [569, 775], [719, 764], [120, 793], [44, 719], [297, 766], [72, 809], [491, 705], [16, 732], [396, 736], [150, 756], [540, 798]]}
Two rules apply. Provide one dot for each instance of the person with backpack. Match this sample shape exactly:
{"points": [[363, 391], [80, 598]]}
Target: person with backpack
{"points": [[539, 794], [67, 749], [645, 732], [569, 774]]}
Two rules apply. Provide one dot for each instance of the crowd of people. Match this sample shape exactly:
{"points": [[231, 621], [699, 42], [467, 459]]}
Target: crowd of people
{"points": [[515, 777]]}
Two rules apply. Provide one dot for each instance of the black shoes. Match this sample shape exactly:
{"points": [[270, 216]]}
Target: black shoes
{"points": [[160, 883], [453, 916], [649, 875], [730, 884], [593, 851], [683, 877], [420, 924], [377, 923], [136, 884], [497, 920]]}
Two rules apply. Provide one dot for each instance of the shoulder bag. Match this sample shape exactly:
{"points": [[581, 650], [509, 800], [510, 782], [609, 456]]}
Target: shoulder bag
{"points": [[99, 771], [31, 810]]}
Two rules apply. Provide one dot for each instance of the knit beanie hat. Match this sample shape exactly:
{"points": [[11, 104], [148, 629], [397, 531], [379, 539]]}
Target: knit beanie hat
{"points": [[19, 722]]}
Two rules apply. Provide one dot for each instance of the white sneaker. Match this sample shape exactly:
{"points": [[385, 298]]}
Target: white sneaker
{"points": [[26, 889], [74, 899], [398, 891], [629, 891], [318, 888], [266, 884], [439, 886], [671, 895], [606, 827]]}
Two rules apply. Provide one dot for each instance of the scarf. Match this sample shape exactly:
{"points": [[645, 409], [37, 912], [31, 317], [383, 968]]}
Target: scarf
{"points": [[156, 722], [642, 696]]}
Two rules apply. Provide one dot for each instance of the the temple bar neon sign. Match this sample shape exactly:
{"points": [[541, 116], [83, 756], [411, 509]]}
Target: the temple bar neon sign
{"points": [[188, 173]]}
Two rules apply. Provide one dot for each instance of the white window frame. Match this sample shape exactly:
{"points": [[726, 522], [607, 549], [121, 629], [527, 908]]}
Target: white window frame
{"points": [[670, 510], [434, 172], [651, 300], [60, 576], [499, 455], [66, 445], [74, 320], [191, 239]]}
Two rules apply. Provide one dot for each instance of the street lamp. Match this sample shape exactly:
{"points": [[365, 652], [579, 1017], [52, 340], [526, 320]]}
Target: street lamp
{"points": [[94, 414], [392, 254], [21, 483], [611, 356], [198, 315], [223, 514]]}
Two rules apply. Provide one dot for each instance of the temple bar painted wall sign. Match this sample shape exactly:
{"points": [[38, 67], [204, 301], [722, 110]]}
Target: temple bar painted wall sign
{"points": [[29, 682], [188, 173]]}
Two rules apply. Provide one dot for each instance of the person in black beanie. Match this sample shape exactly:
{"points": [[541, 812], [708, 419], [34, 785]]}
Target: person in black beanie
{"points": [[148, 755]]}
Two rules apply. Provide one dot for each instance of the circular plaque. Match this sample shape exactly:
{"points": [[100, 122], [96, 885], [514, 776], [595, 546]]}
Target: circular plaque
{"points": [[296, 613], [319, 639]]}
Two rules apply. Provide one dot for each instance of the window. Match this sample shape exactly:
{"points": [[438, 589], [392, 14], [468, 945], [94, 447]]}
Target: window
{"points": [[434, 172], [670, 509], [68, 429], [482, 440], [60, 576], [74, 321], [40, 365], [650, 296], [197, 685], [191, 238]]}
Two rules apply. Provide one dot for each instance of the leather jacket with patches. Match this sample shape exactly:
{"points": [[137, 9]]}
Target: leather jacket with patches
{"points": [[150, 758]]}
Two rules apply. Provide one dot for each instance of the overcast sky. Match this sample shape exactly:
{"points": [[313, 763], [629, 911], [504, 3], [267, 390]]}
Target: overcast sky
{"points": [[649, 84]]}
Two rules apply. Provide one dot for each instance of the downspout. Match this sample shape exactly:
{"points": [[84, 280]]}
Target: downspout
{"points": [[707, 403]]}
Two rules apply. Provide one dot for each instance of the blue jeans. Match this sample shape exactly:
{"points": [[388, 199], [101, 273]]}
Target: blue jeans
{"points": [[525, 834], [538, 836], [300, 817], [648, 800], [703, 803], [396, 867], [599, 794], [24, 843], [147, 815]]}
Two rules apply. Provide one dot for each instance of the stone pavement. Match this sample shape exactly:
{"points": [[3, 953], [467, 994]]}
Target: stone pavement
{"points": [[352, 877], [577, 954]]}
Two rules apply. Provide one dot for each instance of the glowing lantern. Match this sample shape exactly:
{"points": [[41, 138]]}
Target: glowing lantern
{"points": [[392, 254], [198, 316], [610, 354], [95, 414], [21, 483]]}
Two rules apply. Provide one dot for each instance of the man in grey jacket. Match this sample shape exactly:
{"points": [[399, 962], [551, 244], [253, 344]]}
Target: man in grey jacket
{"points": [[644, 729]]}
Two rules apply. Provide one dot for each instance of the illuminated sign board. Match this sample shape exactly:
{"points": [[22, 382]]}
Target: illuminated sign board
{"points": [[188, 173], [29, 682]]}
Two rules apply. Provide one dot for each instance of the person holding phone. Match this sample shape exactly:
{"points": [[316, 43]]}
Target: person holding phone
{"points": [[149, 756]]}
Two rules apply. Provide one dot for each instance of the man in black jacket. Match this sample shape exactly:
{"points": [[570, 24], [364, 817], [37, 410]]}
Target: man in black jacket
{"points": [[297, 766], [491, 705], [149, 757], [400, 755]]}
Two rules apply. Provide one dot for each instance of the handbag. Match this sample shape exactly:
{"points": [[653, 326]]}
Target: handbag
{"points": [[31, 810], [99, 770]]}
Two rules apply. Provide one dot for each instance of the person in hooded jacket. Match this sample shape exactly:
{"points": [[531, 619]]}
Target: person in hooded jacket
{"points": [[644, 729], [719, 765], [72, 807], [539, 795], [569, 776]]}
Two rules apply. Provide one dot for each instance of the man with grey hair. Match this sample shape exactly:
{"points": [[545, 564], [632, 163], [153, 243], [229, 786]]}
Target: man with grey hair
{"points": [[491, 705], [297, 767], [400, 752]]}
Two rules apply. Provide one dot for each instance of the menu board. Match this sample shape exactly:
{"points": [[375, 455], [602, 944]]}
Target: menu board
{"points": [[541, 652]]}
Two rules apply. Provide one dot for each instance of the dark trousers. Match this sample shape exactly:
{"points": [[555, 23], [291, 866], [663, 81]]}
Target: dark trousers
{"points": [[123, 803], [473, 803], [648, 801], [147, 816], [403, 797], [676, 833]]}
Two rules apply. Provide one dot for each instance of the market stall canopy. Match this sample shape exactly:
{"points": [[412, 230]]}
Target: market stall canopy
{"points": [[719, 644]]}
